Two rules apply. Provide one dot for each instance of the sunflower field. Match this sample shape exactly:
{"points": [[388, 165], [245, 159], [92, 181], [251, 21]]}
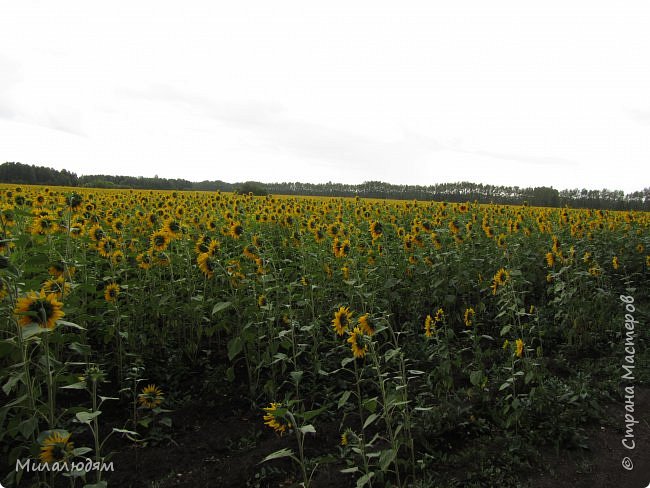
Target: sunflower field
{"points": [[416, 329]]}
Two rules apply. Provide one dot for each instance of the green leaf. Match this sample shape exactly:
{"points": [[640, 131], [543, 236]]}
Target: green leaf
{"points": [[386, 459], [529, 377], [124, 431], [86, 417], [82, 349], [80, 451], [218, 307], [81, 385], [230, 374], [364, 480], [296, 376], [371, 418], [70, 324], [13, 379], [282, 453], [476, 378], [344, 398], [99, 484], [235, 346], [308, 429]]}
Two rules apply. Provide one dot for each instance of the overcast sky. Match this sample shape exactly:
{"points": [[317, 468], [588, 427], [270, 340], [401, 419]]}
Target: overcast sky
{"points": [[552, 93]]}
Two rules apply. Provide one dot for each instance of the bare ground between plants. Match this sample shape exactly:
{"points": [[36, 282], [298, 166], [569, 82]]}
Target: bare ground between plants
{"points": [[213, 448]]}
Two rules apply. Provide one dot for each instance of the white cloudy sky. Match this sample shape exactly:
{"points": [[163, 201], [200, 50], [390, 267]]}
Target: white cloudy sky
{"points": [[505, 92]]}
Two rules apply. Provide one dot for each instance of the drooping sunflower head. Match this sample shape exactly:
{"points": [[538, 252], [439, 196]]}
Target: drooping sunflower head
{"points": [[429, 326], [500, 278], [274, 418], [357, 343], [550, 259], [145, 260], [56, 448], [39, 308], [173, 228], [366, 325], [58, 286], [376, 230], [341, 320], [202, 244], [151, 397], [206, 263], [469, 316], [4, 289], [520, 348]]}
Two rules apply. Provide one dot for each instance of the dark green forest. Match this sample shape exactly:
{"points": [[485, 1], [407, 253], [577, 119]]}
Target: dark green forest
{"points": [[19, 173]]}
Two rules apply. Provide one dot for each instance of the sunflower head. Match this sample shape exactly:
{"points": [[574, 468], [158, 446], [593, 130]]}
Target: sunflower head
{"points": [[429, 326], [520, 348], [357, 343], [469, 316], [274, 418], [56, 447], [39, 308], [151, 397], [341, 320], [111, 292], [366, 325]]}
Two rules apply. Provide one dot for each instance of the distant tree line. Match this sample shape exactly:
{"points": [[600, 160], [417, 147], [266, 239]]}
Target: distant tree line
{"points": [[451, 192]]}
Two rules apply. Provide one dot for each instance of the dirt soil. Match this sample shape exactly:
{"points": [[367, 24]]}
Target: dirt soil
{"points": [[216, 448]]}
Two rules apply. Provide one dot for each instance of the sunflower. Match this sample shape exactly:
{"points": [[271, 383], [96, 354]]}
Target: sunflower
{"points": [[202, 244], [151, 396], [39, 308], [346, 272], [550, 259], [44, 225], [117, 257], [206, 264], [261, 301], [144, 260], [500, 279], [111, 292], [58, 286], [341, 320], [520, 348], [96, 233], [272, 418], [56, 448], [57, 269], [106, 246], [367, 327], [172, 228], [250, 252], [333, 230], [376, 230], [236, 230], [429, 326], [160, 240], [440, 316], [356, 342], [615, 262], [469, 316], [4, 289]]}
